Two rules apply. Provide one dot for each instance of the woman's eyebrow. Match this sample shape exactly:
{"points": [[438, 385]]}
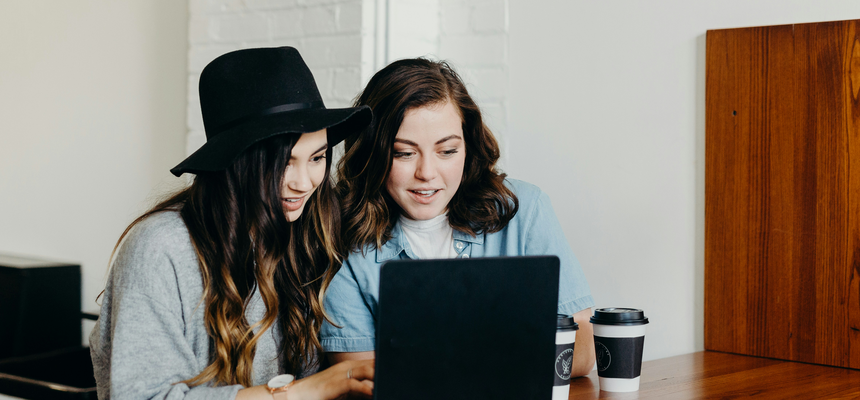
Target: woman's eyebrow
{"points": [[406, 142], [323, 147], [447, 138], [438, 142]]}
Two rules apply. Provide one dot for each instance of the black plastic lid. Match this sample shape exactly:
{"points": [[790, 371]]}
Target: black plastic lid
{"points": [[619, 316], [566, 323]]}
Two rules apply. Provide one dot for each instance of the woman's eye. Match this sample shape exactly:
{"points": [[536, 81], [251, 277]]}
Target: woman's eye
{"points": [[403, 154], [449, 153], [318, 158]]}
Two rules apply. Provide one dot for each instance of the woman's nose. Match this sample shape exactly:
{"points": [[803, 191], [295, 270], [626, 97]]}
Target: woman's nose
{"points": [[298, 179], [426, 169]]}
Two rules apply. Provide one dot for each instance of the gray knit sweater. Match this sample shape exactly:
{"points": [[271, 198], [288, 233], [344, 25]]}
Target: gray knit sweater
{"points": [[150, 334]]}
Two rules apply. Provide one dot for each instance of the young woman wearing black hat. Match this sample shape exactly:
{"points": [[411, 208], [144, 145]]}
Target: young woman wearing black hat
{"points": [[216, 292], [421, 182]]}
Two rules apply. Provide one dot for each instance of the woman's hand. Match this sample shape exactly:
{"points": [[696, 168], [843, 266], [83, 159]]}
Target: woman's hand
{"points": [[350, 379], [353, 377]]}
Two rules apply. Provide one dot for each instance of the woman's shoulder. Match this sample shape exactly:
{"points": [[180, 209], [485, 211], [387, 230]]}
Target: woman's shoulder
{"points": [[168, 222], [526, 193], [157, 247], [365, 263], [532, 203], [366, 254], [162, 232]]}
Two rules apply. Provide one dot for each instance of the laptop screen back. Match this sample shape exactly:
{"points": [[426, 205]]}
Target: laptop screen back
{"points": [[481, 328]]}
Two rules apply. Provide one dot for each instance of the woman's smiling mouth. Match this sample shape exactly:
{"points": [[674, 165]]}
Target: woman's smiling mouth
{"points": [[424, 196], [293, 203]]}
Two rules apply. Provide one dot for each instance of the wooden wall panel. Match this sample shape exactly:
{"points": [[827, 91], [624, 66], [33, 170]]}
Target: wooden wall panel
{"points": [[852, 100], [782, 197]]}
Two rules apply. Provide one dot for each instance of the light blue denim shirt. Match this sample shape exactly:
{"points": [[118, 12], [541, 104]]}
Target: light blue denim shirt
{"points": [[351, 300]]}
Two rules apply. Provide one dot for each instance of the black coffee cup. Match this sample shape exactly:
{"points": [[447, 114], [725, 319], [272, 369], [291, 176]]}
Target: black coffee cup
{"points": [[565, 339], [619, 338]]}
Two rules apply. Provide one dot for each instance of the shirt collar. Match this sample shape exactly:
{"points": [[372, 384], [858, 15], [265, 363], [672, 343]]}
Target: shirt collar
{"points": [[465, 237], [395, 246], [398, 243]]}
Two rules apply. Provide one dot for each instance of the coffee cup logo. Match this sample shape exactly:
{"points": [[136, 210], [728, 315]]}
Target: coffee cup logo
{"points": [[563, 363], [602, 355]]}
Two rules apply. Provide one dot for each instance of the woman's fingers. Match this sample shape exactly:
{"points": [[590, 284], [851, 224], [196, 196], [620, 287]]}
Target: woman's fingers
{"points": [[361, 370], [361, 387], [361, 377], [340, 381]]}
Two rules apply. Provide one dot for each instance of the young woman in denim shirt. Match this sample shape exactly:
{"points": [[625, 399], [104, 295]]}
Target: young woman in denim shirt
{"points": [[420, 183]]}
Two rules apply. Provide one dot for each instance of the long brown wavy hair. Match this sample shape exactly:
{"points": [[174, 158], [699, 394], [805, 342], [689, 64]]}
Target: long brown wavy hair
{"points": [[481, 204], [244, 242]]}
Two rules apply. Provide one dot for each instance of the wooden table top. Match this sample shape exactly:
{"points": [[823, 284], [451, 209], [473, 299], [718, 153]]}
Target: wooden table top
{"points": [[710, 374]]}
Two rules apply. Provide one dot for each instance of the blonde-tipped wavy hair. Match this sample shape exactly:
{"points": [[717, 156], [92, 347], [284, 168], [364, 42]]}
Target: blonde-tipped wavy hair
{"points": [[244, 241]]}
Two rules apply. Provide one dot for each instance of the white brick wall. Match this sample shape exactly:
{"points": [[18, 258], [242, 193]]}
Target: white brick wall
{"points": [[329, 34], [474, 40], [472, 35], [345, 41], [413, 29]]}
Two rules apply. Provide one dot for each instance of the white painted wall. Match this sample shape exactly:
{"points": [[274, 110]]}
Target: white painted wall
{"points": [[606, 115], [92, 117]]}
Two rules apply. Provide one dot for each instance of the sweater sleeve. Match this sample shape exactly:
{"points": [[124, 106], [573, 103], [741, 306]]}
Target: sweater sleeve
{"points": [[139, 346]]}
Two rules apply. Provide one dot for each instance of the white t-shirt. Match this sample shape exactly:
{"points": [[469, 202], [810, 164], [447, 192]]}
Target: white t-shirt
{"points": [[432, 238]]}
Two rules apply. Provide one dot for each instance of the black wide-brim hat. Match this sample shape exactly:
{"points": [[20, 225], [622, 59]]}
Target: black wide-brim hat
{"points": [[250, 95]]}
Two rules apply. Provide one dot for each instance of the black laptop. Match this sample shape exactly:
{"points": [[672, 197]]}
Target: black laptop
{"points": [[474, 328]]}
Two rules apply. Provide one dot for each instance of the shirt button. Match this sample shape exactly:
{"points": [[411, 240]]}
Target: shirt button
{"points": [[464, 256], [459, 245]]}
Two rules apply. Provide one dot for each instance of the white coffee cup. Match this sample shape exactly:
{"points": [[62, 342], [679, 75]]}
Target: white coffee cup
{"points": [[619, 338], [565, 339]]}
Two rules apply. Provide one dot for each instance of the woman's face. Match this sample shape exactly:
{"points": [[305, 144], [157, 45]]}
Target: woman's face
{"points": [[305, 171], [429, 157]]}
